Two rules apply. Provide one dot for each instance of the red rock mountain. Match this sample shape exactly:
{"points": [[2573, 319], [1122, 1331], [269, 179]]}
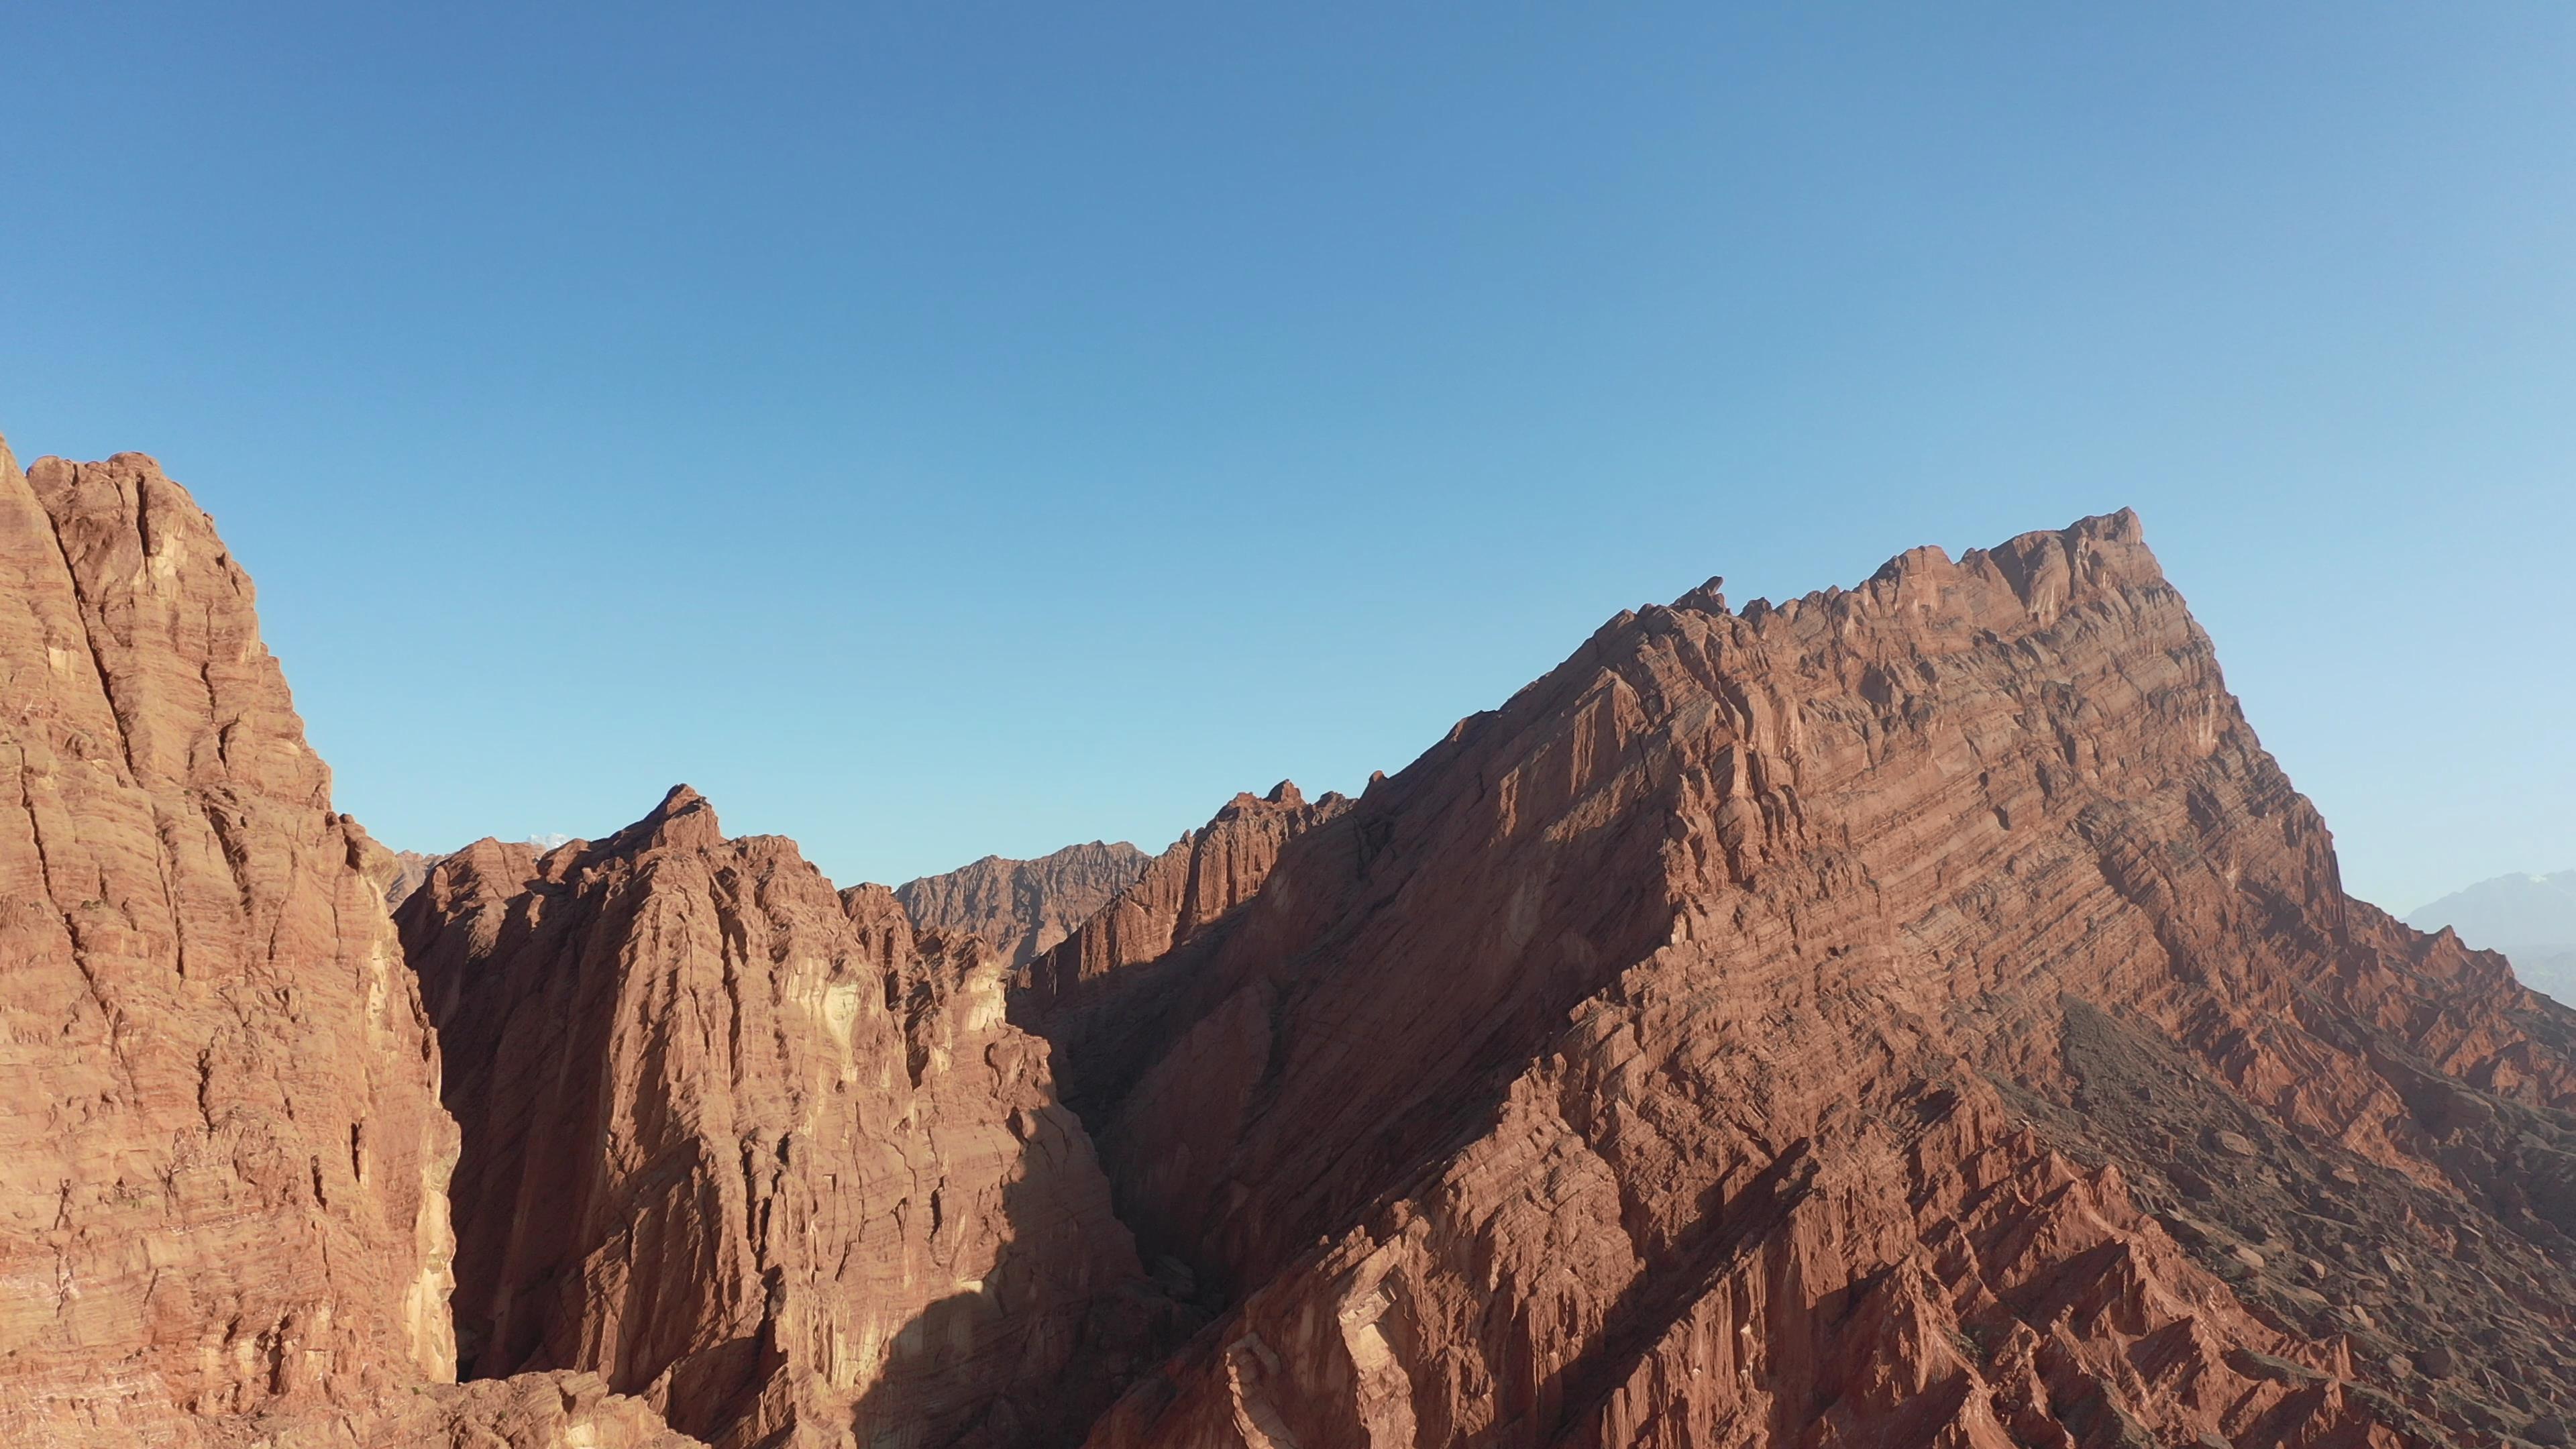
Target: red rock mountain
{"points": [[411, 867], [1023, 907], [1918, 1014], [1914, 1015], [1182, 893], [223, 1168], [757, 1152]]}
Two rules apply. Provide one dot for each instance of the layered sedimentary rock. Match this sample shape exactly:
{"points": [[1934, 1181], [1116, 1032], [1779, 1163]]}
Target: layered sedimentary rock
{"points": [[1023, 907], [1918, 1014], [224, 1157], [531, 1411], [751, 1149], [1175, 899], [222, 1160], [1914, 1015], [411, 867]]}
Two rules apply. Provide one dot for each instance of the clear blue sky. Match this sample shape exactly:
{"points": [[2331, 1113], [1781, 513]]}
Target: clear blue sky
{"points": [[933, 430]]}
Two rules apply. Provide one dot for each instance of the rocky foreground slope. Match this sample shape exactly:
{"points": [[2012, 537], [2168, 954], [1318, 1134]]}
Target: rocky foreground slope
{"points": [[223, 1168]]}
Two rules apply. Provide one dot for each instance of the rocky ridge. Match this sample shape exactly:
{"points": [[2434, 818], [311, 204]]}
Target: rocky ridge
{"points": [[1908, 1015], [1023, 907], [760, 1153], [1178, 898], [1719, 1043]]}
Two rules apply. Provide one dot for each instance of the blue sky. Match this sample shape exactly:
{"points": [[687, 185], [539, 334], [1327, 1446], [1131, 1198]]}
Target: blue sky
{"points": [[933, 430]]}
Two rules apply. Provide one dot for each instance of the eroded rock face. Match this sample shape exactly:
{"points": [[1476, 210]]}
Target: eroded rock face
{"points": [[1914, 1015], [1176, 899], [1828, 1024], [222, 1163], [531, 1411], [1023, 907], [411, 867], [753, 1150], [223, 1167]]}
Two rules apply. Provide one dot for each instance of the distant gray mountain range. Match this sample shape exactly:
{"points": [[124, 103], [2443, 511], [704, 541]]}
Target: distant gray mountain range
{"points": [[2530, 918]]}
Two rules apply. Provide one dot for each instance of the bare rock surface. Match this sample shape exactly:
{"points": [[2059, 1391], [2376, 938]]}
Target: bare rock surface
{"points": [[411, 867], [1175, 899], [758, 1152], [1914, 1014], [1023, 907], [530, 1411], [223, 1167], [225, 1163]]}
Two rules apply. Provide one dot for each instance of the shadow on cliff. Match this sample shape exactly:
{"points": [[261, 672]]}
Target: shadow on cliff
{"points": [[1033, 1355]]}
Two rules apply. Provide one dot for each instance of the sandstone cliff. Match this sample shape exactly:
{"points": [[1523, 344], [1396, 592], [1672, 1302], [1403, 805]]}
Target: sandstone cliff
{"points": [[1175, 899], [223, 1167], [1918, 1014], [411, 867], [1921, 1014], [1023, 907], [753, 1150]]}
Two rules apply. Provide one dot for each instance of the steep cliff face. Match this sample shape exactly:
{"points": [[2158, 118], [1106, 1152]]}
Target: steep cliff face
{"points": [[751, 1149], [1914, 1014], [225, 1161], [1175, 900], [1023, 907], [223, 1168]]}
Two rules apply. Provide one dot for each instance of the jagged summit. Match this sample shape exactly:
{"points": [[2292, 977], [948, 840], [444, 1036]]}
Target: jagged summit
{"points": [[1023, 907], [1749, 978], [1189, 889], [684, 817], [753, 1150], [1918, 1014], [2106, 550]]}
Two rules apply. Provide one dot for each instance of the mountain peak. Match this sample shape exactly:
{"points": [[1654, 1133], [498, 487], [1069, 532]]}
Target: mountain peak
{"points": [[679, 799], [683, 818]]}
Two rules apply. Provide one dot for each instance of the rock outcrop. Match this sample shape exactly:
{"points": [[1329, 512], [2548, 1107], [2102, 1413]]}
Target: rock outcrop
{"points": [[411, 867], [1175, 899], [531, 1411], [1918, 1014], [753, 1150], [223, 1167], [1023, 907]]}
